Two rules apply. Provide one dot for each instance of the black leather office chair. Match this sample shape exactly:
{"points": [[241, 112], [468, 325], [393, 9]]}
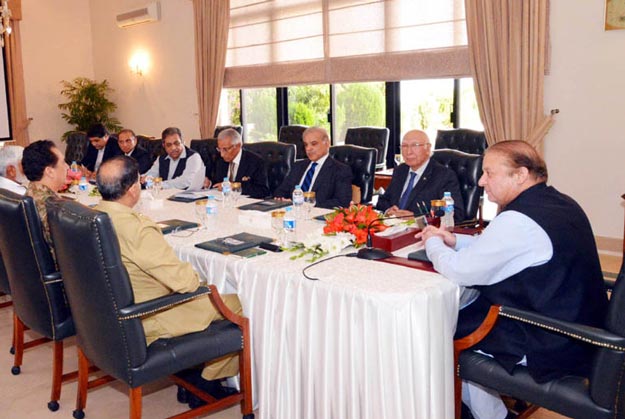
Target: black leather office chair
{"points": [[108, 321], [208, 151], [362, 161], [292, 134], [466, 140], [600, 395], [468, 168], [279, 158], [374, 137], [220, 128], [76, 146], [36, 286], [153, 146]]}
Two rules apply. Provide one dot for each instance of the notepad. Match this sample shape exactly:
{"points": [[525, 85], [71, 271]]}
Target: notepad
{"points": [[168, 226], [266, 205], [234, 243]]}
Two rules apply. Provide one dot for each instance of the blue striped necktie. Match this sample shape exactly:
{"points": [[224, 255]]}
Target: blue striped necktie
{"points": [[403, 201], [309, 177]]}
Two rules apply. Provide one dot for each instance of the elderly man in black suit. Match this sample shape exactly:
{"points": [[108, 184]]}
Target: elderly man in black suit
{"points": [[127, 141], [331, 180], [419, 180], [100, 149], [240, 165]]}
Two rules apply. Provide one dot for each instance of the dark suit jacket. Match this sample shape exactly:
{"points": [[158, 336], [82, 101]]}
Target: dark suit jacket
{"points": [[333, 186], [435, 181], [252, 174], [111, 149], [143, 159]]}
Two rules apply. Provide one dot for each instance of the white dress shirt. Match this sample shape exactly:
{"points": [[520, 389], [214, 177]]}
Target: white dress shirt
{"points": [[8, 184], [317, 170], [191, 179]]}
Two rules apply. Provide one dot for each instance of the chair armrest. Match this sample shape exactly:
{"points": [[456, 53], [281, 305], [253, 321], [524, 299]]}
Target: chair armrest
{"points": [[593, 335], [224, 310], [158, 304], [52, 277], [480, 333]]}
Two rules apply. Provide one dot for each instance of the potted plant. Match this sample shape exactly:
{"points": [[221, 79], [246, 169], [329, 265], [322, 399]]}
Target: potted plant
{"points": [[87, 105]]}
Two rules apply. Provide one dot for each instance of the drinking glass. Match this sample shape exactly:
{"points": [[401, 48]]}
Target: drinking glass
{"points": [[399, 159], [235, 191], [277, 219], [157, 186], [200, 212], [309, 202]]}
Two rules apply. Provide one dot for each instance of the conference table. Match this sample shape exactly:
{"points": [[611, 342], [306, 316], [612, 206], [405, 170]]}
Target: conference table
{"points": [[367, 340]]}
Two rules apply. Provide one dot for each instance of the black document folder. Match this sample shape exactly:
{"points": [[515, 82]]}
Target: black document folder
{"points": [[266, 205], [234, 243], [168, 226]]}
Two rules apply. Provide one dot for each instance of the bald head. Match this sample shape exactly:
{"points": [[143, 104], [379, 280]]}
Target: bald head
{"points": [[116, 177], [10, 159]]}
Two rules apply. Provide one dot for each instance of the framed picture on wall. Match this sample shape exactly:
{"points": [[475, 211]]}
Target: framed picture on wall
{"points": [[614, 14]]}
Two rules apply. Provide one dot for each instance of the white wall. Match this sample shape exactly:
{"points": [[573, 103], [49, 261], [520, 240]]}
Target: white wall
{"points": [[585, 148], [165, 95], [56, 45]]}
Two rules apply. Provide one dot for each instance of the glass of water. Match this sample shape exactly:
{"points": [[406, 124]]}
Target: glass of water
{"points": [[277, 218], [157, 186], [309, 202], [200, 212], [235, 191]]}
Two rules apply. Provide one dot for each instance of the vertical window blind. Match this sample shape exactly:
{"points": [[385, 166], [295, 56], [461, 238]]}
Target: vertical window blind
{"points": [[286, 42]]}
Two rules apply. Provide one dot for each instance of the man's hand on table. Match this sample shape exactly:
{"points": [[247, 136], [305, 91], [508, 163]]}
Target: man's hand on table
{"points": [[428, 232]]}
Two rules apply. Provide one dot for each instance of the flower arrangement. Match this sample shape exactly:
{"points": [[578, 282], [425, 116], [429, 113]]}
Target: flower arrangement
{"points": [[354, 220], [317, 245]]}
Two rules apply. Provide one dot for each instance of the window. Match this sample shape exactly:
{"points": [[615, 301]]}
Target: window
{"points": [[259, 115], [426, 105], [358, 105], [229, 107], [469, 114], [309, 105]]}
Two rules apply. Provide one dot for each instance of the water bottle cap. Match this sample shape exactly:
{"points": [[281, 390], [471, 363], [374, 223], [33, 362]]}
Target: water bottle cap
{"points": [[447, 194], [287, 209], [83, 178], [298, 187], [226, 179], [210, 198]]}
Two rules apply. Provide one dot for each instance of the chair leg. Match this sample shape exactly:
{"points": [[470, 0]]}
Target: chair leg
{"points": [[135, 403], [457, 387], [18, 344], [57, 375], [245, 368], [83, 381]]}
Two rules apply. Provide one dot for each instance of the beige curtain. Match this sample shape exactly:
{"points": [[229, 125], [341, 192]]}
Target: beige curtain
{"points": [[212, 18], [507, 41], [15, 77]]}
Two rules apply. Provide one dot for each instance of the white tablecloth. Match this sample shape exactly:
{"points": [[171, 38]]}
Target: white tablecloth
{"points": [[369, 340]]}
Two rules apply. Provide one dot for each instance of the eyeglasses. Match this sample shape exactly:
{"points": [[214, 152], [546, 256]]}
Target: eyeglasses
{"points": [[174, 144], [414, 146], [225, 149]]}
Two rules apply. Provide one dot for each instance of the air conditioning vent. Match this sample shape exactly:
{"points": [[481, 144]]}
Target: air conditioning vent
{"points": [[149, 13]]}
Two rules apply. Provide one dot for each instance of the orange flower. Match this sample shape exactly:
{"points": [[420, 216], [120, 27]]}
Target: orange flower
{"points": [[355, 220]]}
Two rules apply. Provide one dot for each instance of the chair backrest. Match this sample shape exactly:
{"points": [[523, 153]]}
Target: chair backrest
{"points": [[362, 161], [154, 147], [468, 168], [293, 134], [374, 137], [466, 140], [97, 286], [36, 288], [207, 148], [607, 371], [220, 128], [76, 144], [278, 157]]}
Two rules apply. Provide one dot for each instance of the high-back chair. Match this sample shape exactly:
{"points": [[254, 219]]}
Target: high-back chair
{"points": [[373, 137], [293, 134], [362, 162], [36, 286], [468, 169], [108, 321], [154, 147], [5, 288], [278, 157], [461, 139], [600, 395], [76, 144], [208, 151], [220, 128]]}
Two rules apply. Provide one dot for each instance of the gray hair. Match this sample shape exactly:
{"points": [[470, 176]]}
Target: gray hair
{"points": [[10, 155], [232, 134]]}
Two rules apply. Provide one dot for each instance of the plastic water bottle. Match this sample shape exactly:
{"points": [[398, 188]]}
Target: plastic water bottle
{"points": [[226, 190], [74, 172], [298, 201], [289, 225], [211, 212], [83, 186], [448, 219]]}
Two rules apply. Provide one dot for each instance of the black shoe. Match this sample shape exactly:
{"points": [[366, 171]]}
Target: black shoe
{"points": [[182, 395]]}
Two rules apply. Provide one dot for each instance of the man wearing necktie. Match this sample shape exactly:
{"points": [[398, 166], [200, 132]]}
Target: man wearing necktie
{"points": [[419, 180], [330, 179], [240, 165], [127, 141]]}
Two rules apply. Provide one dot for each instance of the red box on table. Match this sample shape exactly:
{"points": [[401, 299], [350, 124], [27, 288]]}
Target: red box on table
{"points": [[394, 241]]}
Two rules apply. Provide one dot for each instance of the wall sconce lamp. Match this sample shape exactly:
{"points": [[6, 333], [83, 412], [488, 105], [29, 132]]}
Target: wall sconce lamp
{"points": [[139, 63]]}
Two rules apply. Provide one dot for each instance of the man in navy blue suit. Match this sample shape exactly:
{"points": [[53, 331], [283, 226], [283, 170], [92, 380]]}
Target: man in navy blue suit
{"points": [[419, 180], [330, 179], [127, 141], [99, 150]]}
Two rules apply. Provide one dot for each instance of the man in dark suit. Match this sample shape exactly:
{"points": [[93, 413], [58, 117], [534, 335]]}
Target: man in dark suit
{"points": [[127, 141], [240, 165], [419, 180], [99, 150], [331, 180]]}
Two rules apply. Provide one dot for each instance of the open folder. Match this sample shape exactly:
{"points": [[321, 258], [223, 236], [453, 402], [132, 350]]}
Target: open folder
{"points": [[234, 243]]}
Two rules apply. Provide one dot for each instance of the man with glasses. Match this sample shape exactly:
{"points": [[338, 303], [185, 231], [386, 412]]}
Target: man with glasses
{"points": [[181, 168], [419, 180], [240, 165], [127, 141], [330, 179]]}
